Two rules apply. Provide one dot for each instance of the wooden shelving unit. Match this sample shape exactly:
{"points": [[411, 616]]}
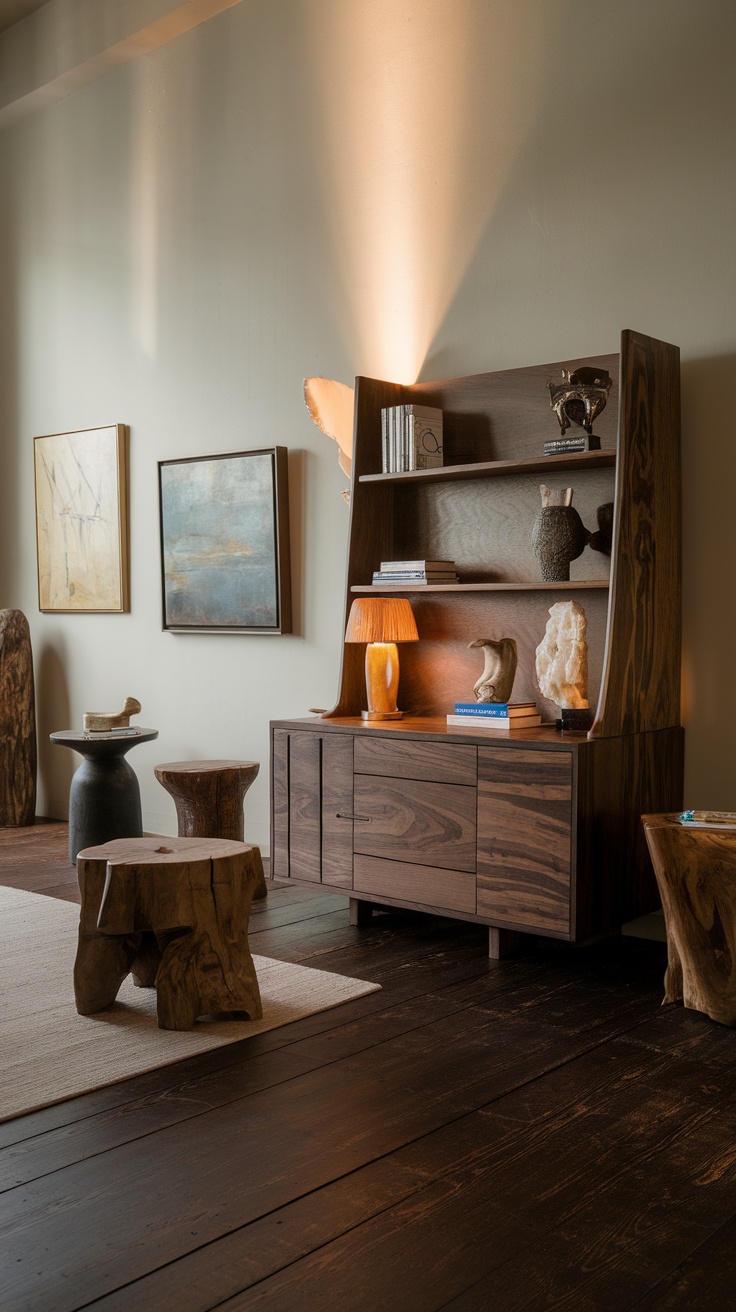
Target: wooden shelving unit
{"points": [[534, 833]]}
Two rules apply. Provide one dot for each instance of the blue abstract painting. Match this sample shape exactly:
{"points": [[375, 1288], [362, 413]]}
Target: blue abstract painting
{"points": [[219, 542]]}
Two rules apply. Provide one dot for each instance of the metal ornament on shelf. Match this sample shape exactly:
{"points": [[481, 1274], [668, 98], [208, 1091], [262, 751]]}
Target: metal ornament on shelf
{"points": [[579, 399]]}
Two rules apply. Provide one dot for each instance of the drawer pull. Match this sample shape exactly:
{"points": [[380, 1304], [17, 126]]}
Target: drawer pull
{"points": [[366, 819]]}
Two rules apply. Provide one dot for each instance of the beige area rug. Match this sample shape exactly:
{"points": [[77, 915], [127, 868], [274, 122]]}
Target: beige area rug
{"points": [[49, 1053]]}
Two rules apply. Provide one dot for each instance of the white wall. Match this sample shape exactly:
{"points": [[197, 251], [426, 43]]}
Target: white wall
{"points": [[416, 187]]}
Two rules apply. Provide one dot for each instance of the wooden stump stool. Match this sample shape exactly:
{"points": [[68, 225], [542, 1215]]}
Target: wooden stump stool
{"points": [[208, 796], [174, 914], [696, 874]]}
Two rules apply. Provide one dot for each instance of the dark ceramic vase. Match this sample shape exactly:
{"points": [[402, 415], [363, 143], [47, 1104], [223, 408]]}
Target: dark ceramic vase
{"points": [[558, 537]]}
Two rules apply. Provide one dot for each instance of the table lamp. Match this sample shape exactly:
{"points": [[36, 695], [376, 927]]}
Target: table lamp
{"points": [[381, 622]]}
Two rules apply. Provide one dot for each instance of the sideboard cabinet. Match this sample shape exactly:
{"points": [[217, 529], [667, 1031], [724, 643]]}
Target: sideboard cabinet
{"points": [[536, 831]]}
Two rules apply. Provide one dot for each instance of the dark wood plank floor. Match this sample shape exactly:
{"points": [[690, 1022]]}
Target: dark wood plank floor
{"points": [[527, 1134]]}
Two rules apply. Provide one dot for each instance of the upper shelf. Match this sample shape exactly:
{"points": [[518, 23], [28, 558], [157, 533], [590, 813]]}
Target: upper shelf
{"points": [[568, 586], [497, 468]]}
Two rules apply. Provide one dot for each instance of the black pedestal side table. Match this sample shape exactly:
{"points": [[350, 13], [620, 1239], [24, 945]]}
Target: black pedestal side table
{"points": [[104, 799]]}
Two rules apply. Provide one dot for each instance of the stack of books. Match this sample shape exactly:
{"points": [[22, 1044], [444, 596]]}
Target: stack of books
{"points": [[495, 716], [560, 446], [411, 438], [416, 571]]}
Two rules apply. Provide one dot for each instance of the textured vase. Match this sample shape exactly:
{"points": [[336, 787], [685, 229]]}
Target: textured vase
{"points": [[558, 537]]}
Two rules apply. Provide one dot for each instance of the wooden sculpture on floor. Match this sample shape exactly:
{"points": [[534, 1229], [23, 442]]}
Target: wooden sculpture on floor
{"points": [[17, 722]]}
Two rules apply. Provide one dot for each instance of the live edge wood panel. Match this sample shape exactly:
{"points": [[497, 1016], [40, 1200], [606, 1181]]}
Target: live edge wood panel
{"points": [[524, 838]]}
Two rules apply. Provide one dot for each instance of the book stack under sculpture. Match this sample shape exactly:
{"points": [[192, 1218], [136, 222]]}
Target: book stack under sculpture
{"points": [[398, 572], [495, 717], [411, 438]]}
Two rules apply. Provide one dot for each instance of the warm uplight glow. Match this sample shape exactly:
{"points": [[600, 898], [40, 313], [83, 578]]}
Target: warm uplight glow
{"points": [[424, 114], [144, 200]]}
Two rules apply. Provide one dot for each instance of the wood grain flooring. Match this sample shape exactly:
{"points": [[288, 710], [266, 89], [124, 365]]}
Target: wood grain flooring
{"points": [[522, 1134]]}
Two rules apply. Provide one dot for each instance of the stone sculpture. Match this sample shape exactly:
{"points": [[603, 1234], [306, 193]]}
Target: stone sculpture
{"points": [[562, 657], [497, 679], [104, 721], [17, 722]]}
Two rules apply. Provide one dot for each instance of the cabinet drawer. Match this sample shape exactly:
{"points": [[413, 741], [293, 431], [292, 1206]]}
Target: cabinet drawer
{"points": [[407, 820], [425, 886], [437, 762], [525, 838]]}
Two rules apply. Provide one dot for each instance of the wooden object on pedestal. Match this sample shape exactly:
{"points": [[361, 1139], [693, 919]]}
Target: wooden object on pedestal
{"points": [[536, 831], [696, 874], [174, 914], [208, 796], [17, 722]]}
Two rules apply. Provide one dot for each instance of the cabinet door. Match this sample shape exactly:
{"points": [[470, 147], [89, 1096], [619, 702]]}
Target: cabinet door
{"points": [[305, 806], [312, 801], [337, 810], [524, 837], [408, 820]]}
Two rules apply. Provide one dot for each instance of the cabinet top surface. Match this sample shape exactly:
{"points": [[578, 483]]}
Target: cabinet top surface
{"points": [[544, 737]]}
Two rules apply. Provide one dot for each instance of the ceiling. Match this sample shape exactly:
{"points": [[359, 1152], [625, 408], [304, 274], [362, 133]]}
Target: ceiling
{"points": [[11, 11]]}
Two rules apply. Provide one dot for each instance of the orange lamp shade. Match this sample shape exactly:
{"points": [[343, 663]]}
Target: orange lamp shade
{"points": [[381, 622], [381, 619]]}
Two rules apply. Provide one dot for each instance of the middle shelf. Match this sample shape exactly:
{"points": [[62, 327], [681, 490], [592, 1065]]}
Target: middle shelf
{"points": [[575, 585]]}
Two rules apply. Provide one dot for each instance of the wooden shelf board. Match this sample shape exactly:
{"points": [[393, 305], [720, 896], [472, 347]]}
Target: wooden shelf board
{"points": [[575, 585], [497, 468]]}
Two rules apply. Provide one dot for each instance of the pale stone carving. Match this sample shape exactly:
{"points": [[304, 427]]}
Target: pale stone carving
{"points": [[497, 679], [562, 656], [102, 721]]}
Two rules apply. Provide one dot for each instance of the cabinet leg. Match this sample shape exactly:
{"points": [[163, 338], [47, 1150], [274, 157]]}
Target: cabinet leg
{"points": [[361, 913], [503, 942]]}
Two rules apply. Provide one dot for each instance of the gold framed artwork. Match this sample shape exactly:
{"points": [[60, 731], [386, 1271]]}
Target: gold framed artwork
{"points": [[82, 520]]}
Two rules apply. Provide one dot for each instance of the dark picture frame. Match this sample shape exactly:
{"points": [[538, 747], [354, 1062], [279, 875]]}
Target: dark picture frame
{"points": [[224, 521]]}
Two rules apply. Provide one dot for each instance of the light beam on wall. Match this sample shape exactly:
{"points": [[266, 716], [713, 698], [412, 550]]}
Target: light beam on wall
{"points": [[144, 201], [424, 114]]}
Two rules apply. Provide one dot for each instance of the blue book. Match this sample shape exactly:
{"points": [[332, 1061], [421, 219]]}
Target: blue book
{"points": [[495, 710]]}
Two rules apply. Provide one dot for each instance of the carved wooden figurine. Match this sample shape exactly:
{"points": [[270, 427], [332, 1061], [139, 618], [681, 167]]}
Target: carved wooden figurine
{"points": [[174, 914], [100, 721], [17, 722]]}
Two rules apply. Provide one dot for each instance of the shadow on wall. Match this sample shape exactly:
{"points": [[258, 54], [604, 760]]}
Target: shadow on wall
{"points": [[709, 580], [55, 765]]}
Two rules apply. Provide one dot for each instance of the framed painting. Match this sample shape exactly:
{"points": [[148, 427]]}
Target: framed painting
{"points": [[225, 543], [82, 520]]}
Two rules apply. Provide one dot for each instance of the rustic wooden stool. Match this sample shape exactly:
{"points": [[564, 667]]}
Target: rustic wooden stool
{"points": [[696, 874], [208, 796], [174, 914]]}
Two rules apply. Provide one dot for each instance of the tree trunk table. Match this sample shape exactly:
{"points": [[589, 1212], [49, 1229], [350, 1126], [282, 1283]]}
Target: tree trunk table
{"points": [[696, 874], [208, 796], [174, 914]]}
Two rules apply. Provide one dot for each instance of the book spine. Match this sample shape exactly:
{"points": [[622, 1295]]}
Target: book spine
{"points": [[482, 710], [384, 442], [443, 566], [515, 722]]}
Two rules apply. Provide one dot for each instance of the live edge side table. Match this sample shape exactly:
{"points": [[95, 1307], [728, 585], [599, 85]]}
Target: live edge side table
{"points": [[104, 799]]}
